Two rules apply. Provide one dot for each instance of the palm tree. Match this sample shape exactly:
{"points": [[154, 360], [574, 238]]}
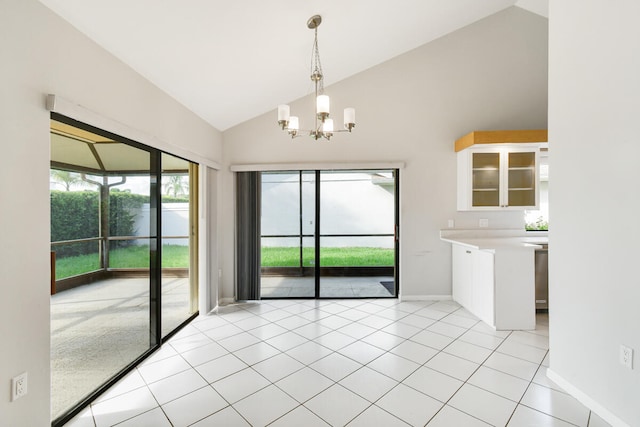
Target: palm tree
{"points": [[175, 185], [66, 178]]}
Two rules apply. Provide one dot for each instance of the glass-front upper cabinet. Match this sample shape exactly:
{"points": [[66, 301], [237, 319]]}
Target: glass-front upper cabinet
{"points": [[485, 179], [522, 179], [497, 178]]}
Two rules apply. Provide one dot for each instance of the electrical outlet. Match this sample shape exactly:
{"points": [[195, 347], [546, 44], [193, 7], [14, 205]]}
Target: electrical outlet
{"points": [[483, 223], [450, 223], [626, 356], [18, 386]]}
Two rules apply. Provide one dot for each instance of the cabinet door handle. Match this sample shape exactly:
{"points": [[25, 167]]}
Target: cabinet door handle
{"points": [[468, 252]]}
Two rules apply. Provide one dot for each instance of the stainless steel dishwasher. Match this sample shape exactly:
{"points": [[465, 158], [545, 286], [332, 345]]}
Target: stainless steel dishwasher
{"points": [[542, 278]]}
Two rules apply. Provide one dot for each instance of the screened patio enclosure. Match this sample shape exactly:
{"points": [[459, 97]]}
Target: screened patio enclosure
{"points": [[124, 257], [111, 169]]}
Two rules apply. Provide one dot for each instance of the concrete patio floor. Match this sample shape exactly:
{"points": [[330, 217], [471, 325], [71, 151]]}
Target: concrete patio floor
{"points": [[99, 328], [330, 287]]}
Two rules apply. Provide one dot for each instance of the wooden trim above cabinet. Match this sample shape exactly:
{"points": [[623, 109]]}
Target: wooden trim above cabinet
{"points": [[501, 137]]}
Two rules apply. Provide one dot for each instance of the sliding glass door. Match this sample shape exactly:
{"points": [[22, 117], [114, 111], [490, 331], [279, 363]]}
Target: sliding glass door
{"points": [[123, 226], [329, 234]]}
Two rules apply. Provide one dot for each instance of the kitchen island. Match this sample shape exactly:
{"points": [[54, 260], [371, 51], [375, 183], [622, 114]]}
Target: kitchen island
{"points": [[493, 275]]}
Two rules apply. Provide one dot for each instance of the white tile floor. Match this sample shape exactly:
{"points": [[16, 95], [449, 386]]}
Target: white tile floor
{"points": [[342, 362]]}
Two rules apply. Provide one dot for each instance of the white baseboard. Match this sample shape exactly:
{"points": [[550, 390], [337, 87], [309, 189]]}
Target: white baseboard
{"points": [[214, 310], [586, 400], [425, 297], [226, 301]]}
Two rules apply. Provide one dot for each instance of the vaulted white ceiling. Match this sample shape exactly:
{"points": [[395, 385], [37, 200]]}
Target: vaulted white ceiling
{"points": [[229, 61]]}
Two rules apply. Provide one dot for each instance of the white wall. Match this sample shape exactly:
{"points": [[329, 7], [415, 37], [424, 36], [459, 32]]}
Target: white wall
{"points": [[594, 123], [175, 222], [489, 75], [42, 54]]}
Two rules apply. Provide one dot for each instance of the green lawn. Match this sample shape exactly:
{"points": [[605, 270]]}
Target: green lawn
{"points": [[329, 257], [178, 256], [130, 257]]}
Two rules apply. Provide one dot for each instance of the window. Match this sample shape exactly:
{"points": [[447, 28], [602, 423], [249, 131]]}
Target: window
{"points": [[538, 220]]}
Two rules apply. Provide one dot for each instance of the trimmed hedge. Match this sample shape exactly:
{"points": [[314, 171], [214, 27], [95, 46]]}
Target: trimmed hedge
{"points": [[75, 215], [123, 207]]}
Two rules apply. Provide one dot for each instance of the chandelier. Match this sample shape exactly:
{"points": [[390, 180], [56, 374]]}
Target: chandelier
{"points": [[323, 127]]}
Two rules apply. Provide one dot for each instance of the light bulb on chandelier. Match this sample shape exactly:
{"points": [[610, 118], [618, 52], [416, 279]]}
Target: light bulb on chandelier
{"points": [[323, 124]]}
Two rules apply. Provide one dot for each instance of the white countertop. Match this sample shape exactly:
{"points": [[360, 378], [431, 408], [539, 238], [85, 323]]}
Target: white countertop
{"points": [[490, 240]]}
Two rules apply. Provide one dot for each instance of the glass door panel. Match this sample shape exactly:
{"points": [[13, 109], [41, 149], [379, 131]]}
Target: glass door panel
{"points": [[357, 229], [178, 241], [101, 312], [288, 235]]}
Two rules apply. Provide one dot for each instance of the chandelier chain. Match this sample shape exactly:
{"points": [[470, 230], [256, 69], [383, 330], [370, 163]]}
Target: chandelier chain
{"points": [[316, 65]]}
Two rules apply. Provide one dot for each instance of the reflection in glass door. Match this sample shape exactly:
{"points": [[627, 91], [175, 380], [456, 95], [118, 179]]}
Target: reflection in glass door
{"points": [[329, 234]]}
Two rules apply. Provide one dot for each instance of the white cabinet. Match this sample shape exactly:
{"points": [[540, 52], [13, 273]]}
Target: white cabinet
{"points": [[497, 286], [498, 178], [462, 275], [473, 281]]}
